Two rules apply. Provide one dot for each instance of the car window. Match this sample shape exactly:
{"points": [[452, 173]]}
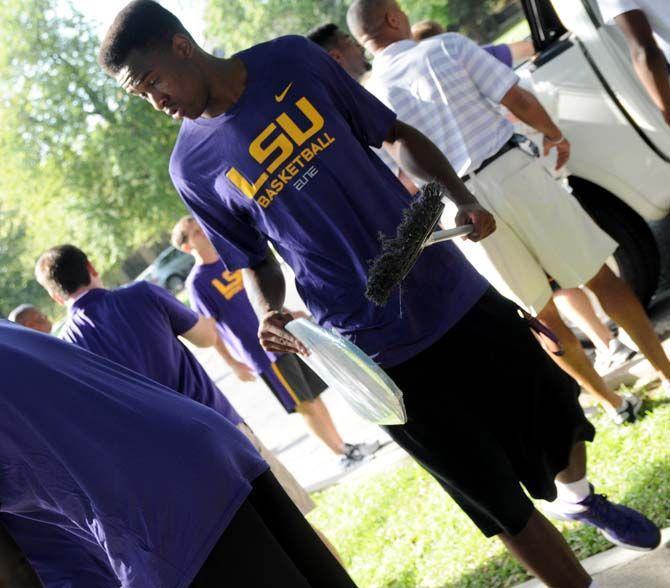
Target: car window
{"points": [[170, 256]]}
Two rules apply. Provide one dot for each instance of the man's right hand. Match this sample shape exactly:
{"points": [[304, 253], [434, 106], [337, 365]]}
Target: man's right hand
{"points": [[482, 221], [243, 372], [274, 337]]}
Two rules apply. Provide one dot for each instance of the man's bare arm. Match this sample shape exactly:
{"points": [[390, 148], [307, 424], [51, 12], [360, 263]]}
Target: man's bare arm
{"points": [[648, 59], [241, 370], [417, 155], [266, 290], [527, 108], [203, 333]]}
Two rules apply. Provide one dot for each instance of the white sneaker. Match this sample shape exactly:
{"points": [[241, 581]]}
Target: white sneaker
{"points": [[627, 413], [617, 354]]}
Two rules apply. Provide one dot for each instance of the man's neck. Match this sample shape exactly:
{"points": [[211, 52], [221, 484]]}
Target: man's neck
{"points": [[376, 45], [81, 293], [205, 256], [227, 82]]}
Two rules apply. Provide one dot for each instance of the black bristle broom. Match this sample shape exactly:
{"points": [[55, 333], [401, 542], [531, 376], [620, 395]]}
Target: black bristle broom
{"points": [[416, 231]]}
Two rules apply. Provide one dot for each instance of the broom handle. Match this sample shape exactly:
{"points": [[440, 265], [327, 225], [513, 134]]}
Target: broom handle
{"points": [[447, 235]]}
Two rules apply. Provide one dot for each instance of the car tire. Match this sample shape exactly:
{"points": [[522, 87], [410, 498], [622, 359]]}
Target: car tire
{"points": [[637, 257], [175, 283]]}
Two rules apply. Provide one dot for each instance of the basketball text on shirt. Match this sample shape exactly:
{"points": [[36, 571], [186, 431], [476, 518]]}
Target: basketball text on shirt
{"points": [[275, 145]]}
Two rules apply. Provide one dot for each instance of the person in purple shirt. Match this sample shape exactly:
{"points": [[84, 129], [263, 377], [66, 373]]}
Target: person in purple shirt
{"points": [[275, 145], [217, 293], [138, 327], [167, 490]]}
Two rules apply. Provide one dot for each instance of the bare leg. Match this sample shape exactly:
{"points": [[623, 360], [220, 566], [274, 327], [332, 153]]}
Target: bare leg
{"points": [[543, 551], [574, 360], [319, 421], [576, 469], [621, 304], [575, 304]]}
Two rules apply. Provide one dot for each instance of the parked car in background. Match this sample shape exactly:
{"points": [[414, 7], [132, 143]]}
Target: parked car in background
{"points": [[169, 270]]}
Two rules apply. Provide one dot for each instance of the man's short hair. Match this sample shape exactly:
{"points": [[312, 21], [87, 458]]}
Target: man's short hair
{"points": [[63, 269], [325, 35], [19, 313], [179, 235], [141, 25], [425, 29]]}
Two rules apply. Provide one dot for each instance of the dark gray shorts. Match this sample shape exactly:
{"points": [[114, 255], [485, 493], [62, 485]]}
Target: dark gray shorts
{"points": [[292, 381]]}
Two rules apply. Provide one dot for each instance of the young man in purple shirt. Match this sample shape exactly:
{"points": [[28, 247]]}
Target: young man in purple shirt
{"points": [[219, 294], [275, 145], [167, 491], [138, 327]]}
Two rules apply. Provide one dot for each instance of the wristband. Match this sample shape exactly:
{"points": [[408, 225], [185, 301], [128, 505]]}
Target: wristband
{"points": [[560, 140]]}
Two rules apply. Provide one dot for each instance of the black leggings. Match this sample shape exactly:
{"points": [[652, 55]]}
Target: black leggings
{"points": [[269, 543]]}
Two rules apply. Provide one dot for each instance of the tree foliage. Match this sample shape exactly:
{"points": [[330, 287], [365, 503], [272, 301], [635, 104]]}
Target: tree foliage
{"points": [[233, 25], [79, 160]]}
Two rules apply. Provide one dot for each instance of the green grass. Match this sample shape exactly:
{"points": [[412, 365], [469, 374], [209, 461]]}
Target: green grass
{"points": [[517, 32], [399, 529]]}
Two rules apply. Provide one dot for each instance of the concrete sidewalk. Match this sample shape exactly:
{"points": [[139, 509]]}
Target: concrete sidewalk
{"points": [[311, 462], [624, 568]]}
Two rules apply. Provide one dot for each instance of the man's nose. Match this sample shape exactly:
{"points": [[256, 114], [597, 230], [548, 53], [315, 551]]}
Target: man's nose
{"points": [[158, 100]]}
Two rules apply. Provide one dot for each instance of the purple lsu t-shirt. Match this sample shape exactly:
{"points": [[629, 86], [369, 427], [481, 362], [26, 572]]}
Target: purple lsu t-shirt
{"points": [[115, 460], [220, 294], [137, 326], [291, 163], [501, 52]]}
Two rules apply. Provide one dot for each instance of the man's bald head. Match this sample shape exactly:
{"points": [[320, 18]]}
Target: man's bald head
{"points": [[31, 317], [377, 23]]}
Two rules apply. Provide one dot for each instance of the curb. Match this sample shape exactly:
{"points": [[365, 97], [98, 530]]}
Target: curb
{"points": [[612, 558]]}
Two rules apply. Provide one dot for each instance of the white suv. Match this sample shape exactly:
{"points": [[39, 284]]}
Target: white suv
{"points": [[620, 165]]}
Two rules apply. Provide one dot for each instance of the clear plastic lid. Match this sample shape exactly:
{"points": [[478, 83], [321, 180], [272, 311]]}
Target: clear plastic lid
{"points": [[347, 369]]}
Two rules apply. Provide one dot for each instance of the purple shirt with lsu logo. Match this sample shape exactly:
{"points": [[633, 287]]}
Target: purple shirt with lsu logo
{"points": [[291, 163], [220, 294], [137, 327]]}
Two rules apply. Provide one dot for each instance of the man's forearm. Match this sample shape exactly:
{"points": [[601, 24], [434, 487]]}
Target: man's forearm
{"points": [[265, 286], [222, 350], [652, 69], [528, 109], [420, 157]]}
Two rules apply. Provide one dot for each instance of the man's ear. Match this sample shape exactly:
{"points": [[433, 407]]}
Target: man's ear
{"points": [[91, 270], [57, 298], [182, 46], [392, 18], [336, 54]]}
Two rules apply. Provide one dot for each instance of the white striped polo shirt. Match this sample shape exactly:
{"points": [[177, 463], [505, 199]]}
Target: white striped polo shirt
{"points": [[449, 89]]}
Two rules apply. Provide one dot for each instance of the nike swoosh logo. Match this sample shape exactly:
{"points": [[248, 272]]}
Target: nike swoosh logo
{"points": [[280, 97]]}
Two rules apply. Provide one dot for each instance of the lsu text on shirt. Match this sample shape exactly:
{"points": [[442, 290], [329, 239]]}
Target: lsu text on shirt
{"points": [[291, 163]]}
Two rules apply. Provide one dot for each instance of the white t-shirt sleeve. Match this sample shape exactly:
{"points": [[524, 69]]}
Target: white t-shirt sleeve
{"points": [[613, 8]]}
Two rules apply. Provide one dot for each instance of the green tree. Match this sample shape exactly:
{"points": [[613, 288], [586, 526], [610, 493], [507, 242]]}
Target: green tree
{"points": [[82, 161], [233, 25], [17, 285]]}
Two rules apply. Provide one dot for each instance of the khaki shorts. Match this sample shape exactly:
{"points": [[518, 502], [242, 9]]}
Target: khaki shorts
{"points": [[295, 491], [542, 230]]}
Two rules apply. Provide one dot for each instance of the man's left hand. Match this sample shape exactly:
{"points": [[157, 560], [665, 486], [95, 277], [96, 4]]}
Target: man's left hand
{"points": [[562, 150]]}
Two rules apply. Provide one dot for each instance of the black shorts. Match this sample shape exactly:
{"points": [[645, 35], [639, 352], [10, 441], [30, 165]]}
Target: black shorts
{"points": [[488, 411], [292, 381], [270, 544]]}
